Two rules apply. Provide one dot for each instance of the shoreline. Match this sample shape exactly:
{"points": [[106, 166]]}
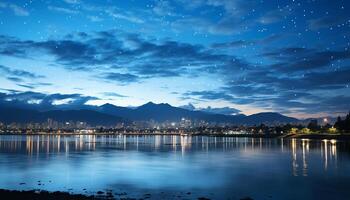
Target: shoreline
{"points": [[322, 136], [101, 195], [42, 195], [318, 136]]}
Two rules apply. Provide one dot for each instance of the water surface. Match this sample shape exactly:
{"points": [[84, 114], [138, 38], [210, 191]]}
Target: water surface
{"points": [[172, 166]]}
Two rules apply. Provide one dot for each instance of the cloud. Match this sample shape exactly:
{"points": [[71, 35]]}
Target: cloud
{"points": [[227, 25], [294, 77], [209, 109], [233, 8], [17, 10], [163, 8], [44, 101], [94, 18], [189, 106], [326, 22], [268, 89], [210, 95], [18, 75], [301, 59], [113, 94], [63, 10], [124, 16], [15, 79], [223, 110], [120, 78], [275, 16], [242, 43], [156, 70], [32, 85], [72, 1], [26, 86], [232, 18], [297, 81], [127, 53]]}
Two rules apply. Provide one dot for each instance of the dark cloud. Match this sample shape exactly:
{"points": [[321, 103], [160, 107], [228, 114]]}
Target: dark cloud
{"points": [[31, 85], [289, 79], [151, 70], [137, 58], [265, 82], [231, 20], [242, 43], [120, 78], [270, 90], [18, 73], [42, 100], [15, 79], [22, 77], [218, 95], [227, 25], [26, 86], [113, 94], [302, 59]]}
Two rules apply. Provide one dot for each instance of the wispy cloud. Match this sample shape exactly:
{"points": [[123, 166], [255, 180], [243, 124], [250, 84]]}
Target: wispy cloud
{"points": [[326, 22], [113, 94], [17, 10], [277, 15], [63, 10], [19, 73], [72, 1], [124, 16]]}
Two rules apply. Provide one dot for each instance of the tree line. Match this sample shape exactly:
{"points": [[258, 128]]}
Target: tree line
{"points": [[343, 125]]}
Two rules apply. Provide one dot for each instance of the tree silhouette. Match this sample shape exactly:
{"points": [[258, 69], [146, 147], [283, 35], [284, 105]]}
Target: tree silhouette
{"points": [[343, 125], [313, 126]]}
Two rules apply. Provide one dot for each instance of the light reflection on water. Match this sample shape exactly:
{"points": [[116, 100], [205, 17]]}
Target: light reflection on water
{"points": [[219, 167]]}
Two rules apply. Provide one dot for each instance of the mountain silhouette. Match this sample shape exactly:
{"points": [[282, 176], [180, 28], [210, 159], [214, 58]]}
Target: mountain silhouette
{"points": [[109, 114], [268, 118], [165, 112]]}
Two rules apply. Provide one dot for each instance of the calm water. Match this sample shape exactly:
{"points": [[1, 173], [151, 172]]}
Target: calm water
{"points": [[170, 166]]}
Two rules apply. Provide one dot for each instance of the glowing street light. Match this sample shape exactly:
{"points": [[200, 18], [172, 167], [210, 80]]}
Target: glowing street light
{"points": [[325, 120]]}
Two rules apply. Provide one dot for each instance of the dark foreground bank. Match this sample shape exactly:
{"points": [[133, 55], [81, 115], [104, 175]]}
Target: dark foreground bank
{"points": [[41, 195], [44, 195]]}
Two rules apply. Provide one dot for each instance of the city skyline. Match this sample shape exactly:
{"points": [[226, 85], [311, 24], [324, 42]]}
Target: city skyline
{"points": [[290, 57]]}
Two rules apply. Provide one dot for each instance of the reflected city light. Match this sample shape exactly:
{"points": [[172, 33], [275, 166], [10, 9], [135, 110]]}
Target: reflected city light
{"points": [[299, 150]]}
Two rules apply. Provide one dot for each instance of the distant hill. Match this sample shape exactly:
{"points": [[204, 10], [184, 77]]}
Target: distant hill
{"points": [[268, 118], [10, 114], [109, 114]]}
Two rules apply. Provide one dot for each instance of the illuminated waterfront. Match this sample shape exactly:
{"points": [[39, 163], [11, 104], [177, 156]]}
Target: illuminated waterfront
{"points": [[215, 167]]}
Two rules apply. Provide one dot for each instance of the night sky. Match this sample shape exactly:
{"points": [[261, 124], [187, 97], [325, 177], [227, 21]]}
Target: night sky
{"points": [[287, 56]]}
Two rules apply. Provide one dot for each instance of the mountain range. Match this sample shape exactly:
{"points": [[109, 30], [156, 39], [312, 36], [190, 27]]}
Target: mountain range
{"points": [[109, 114]]}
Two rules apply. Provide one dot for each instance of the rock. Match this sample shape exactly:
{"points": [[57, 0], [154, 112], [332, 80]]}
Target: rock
{"points": [[203, 198]]}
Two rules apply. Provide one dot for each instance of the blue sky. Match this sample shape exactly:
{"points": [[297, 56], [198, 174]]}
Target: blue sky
{"points": [[285, 56]]}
